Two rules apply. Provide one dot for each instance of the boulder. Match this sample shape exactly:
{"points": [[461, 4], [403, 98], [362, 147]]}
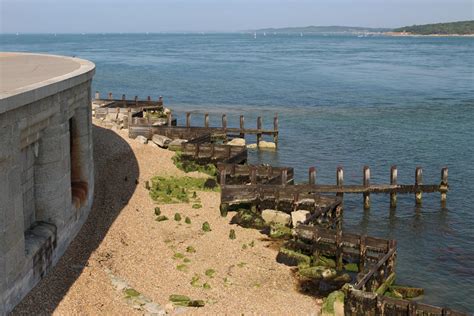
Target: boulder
{"points": [[175, 144], [299, 217], [237, 142], [161, 141], [141, 139], [252, 146], [277, 217], [266, 145], [166, 111]]}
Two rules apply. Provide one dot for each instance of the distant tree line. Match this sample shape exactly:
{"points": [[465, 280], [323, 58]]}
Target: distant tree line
{"points": [[462, 28]]}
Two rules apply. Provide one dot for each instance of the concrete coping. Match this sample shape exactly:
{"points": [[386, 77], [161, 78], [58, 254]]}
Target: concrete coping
{"points": [[28, 77]]}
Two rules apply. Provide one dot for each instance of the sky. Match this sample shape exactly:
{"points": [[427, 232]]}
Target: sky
{"points": [[91, 16]]}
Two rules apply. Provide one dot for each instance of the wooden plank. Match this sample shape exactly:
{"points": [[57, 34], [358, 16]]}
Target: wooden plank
{"points": [[359, 285]]}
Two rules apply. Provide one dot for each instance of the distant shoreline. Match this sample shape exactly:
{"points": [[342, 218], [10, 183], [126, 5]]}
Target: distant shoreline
{"points": [[408, 34]]}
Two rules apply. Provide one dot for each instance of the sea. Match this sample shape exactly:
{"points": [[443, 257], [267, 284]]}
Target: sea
{"points": [[342, 100]]}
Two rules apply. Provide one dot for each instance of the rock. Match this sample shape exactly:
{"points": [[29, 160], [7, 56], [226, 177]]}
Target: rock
{"points": [[237, 142], [252, 146], [292, 258], [333, 304], [277, 217], [266, 145], [407, 292], [299, 217], [342, 278], [325, 262], [280, 231], [210, 184], [166, 111], [154, 309], [161, 141], [175, 144], [141, 139], [248, 219]]}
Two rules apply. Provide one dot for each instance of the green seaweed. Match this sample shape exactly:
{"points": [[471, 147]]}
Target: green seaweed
{"points": [[279, 231], [248, 219], [293, 256], [130, 293], [176, 190], [206, 227], [351, 267], [178, 256], [206, 286], [197, 206], [194, 281], [157, 211], [182, 267], [190, 166], [190, 249], [328, 302], [161, 218], [210, 273]]}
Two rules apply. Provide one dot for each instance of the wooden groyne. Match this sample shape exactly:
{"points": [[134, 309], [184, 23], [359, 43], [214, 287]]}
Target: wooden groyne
{"points": [[366, 188], [208, 153], [145, 128], [238, 174]]}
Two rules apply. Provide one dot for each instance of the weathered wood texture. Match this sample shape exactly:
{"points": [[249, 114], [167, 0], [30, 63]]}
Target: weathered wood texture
{"points": [[357, 302], [205, 153], [257, 174]]}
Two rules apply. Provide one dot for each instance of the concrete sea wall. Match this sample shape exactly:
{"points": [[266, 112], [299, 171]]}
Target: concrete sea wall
{"points": [[46, 165]]}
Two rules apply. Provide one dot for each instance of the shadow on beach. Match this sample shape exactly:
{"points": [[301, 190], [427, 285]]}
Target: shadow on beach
{"points": [[116, 170]]}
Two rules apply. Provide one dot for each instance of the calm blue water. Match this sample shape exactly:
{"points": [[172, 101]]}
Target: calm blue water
{"points": [[341, 100]]}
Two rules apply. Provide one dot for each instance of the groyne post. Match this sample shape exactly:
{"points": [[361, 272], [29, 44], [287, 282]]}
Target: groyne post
{"points": [[284, 176], [366, 182], [97, 95], [188, 120], [393, 181], [312, 175], [253, 175], [224, 122], [242, 121], [259, 127], [170, 118], [110, 95], [275, 129], [418, 181], [206, 120], [444, 185], [340, 179]]}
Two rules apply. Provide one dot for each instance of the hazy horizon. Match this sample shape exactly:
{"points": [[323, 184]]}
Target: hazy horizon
{"points": [[172, 16]]}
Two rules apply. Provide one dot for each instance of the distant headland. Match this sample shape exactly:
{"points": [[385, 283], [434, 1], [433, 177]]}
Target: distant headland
{"points": [[461, 28]]}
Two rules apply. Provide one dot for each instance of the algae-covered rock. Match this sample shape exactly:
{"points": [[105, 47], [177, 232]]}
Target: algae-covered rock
{"points": [[333, 305], [406, 291], [325, 262], [206, 227], [280, 231], [299, 217], [351, 267], [232, 234], [342, 278], [292, 258], [177, 217], [248, 219], [317, 272], [157, 211], [161, 218], [393, 294]]}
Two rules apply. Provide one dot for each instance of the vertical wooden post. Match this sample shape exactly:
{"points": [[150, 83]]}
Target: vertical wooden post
{"points": [[188, 122], [284, 176], [110, 95], [136, 100], [206, 120], [229, 152], [253, 175], [270, 171], [418, 181], [259, 127], [393, 181], [242, 122], [312, 175], [366, 181], [275, 129], [444, 184], [340, 179], [148, 99], [196, 151], [97, 95], [362, 253], [170, 119], [213, 150], [223, 175], [224, 122], [339, 249], [160, 99]]}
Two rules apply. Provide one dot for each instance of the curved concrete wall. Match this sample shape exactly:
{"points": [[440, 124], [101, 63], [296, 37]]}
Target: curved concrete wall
{"points": [[46, 165]]}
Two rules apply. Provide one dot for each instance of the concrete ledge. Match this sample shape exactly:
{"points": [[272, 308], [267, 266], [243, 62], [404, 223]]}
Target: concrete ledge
{"points": [[52, 74]]}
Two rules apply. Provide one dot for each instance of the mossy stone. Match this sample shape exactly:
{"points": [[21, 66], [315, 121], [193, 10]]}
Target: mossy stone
{"points": [[292, 258], [232, 234], [177, 217], [187, 220], [206, 227], [280, 231], [157, 211], [329, 302], [161, 218]]}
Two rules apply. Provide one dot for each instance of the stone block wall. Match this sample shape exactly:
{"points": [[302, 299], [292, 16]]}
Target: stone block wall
{"points": [[45, 150]]}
